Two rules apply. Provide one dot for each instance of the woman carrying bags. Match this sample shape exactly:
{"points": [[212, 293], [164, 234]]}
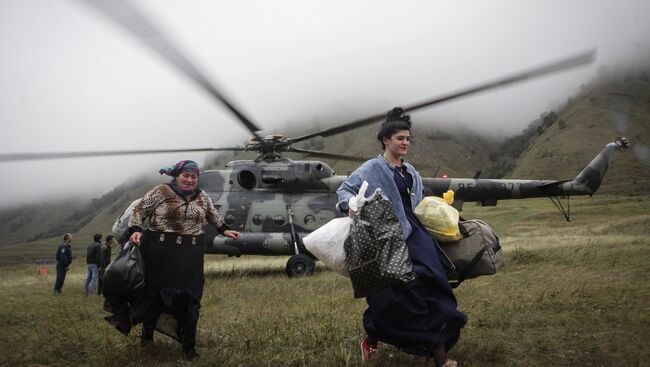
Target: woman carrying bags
{"points": [[420, 317]]}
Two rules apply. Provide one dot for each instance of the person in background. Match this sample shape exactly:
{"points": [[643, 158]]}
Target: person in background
{"points": [[172, 248], [93, 259], [105, 252], [63, 261], [420, 317]]}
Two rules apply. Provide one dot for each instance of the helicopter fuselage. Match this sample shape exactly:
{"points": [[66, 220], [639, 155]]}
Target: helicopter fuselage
{"points": [[272, 203]]}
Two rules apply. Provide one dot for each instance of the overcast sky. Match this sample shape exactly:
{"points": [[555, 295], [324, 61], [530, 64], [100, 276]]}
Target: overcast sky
{"points": [[72, 80]]}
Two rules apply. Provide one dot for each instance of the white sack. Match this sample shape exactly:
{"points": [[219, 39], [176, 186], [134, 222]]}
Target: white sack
{"points": [[326, 243]]}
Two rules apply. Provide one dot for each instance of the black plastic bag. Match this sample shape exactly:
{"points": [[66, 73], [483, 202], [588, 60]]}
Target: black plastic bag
{"points": [[125, 275], [375, 251]]}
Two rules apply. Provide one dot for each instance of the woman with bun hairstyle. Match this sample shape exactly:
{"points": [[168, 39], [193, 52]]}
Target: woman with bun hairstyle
{"points": [[420, 317]]}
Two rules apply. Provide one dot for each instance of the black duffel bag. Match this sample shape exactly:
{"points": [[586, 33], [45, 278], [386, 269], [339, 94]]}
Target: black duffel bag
{"points": [[125, 275]]}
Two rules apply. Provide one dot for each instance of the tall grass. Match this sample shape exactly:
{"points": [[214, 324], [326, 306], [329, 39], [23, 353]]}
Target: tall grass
{"points": [[572, 294]]}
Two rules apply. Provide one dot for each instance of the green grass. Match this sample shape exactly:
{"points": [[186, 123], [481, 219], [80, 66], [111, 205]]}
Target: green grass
{"points": [[572, 294]]}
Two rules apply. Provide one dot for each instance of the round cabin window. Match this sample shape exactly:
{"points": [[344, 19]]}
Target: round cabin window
{"points": [[229, 219], [309, 219], [246, 179], [258, 219], [278, 220]]}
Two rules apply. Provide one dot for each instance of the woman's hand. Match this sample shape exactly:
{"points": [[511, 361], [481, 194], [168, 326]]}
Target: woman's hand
{"points": [[135, 238], [231, 234]]}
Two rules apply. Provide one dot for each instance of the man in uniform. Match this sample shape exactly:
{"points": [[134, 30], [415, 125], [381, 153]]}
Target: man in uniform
{"points": [[63, 261]]}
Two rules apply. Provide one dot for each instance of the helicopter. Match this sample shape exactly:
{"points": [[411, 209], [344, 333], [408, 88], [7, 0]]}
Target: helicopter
{"points": [[275, 201]]}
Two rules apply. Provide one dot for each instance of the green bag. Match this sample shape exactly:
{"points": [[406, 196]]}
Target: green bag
{"points": [[477, 253]]}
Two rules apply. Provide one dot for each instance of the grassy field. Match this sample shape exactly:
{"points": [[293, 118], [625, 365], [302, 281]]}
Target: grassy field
{"points": [[572, 294]]}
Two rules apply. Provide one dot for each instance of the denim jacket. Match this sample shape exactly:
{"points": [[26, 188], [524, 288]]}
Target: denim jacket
{"points": [[379, 174]]}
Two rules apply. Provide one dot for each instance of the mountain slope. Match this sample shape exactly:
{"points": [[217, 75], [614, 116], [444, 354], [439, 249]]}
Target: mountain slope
{"points": [[585, 126], [458, 154], [47, 220]]}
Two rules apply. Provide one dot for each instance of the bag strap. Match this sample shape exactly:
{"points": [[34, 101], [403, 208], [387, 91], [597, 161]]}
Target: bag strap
{"points": [[465, 273], [462, 229]]}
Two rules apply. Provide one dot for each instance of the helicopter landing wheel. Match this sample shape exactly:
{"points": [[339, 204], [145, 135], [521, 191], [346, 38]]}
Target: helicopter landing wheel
{"points": [[300, 265]]}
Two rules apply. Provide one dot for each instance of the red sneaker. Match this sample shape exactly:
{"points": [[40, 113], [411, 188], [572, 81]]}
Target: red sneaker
{"points": [[368, 351]]}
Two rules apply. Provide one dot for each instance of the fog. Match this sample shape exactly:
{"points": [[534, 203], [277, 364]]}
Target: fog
{"points": [[72, 80]]}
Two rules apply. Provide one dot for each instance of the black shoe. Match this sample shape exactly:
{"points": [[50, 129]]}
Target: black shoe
{"points": [[123, 327], [146, 339], [191, 353]]}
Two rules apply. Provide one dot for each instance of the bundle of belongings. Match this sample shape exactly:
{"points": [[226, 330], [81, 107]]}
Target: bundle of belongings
{"points": [[125, 294], [477, 253], [326, 244], [375, 251], [124, 288], [439, 218], [121, 225], [370, 248], [471, 245]]}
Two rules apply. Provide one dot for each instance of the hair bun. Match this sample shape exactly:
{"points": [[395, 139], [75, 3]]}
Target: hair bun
{"points": [[395, 114]]}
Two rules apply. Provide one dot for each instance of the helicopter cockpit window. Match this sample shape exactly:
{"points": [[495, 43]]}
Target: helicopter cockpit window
{"points": [[319, 167], [246, 179], [309, 219]]}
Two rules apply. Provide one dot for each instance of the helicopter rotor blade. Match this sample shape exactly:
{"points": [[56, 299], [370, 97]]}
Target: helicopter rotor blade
{"points": [[60, 155], [317, 153], [137, 24], [556, 66]]}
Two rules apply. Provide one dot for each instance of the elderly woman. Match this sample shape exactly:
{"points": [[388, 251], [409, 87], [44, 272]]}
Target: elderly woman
{"points": [[420, 317], [172, 249]]}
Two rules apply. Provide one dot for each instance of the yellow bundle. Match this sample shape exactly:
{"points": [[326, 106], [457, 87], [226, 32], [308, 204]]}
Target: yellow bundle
{"points": [[439, 218]]}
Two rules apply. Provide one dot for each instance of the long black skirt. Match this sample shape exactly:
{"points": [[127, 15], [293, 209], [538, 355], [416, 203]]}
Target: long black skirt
{"points": [[421, 314], [174, 281]]}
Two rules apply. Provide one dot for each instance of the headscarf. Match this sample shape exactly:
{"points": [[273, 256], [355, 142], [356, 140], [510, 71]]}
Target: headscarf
{"points": [[175, 170]]}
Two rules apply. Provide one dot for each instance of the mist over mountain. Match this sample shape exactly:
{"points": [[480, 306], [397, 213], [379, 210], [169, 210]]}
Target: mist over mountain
{"points": [[73, 81]]}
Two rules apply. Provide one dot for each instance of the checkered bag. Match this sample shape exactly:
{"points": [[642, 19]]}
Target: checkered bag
{"points": [[375, 252]]}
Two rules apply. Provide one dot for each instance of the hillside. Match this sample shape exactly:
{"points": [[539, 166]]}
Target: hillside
{"points": [[457, 153], [604, 112], [46, 220]]}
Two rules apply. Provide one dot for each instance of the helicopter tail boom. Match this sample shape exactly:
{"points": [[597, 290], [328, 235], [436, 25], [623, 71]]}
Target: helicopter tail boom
{"points": [[589, 179], [489, 191]]}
